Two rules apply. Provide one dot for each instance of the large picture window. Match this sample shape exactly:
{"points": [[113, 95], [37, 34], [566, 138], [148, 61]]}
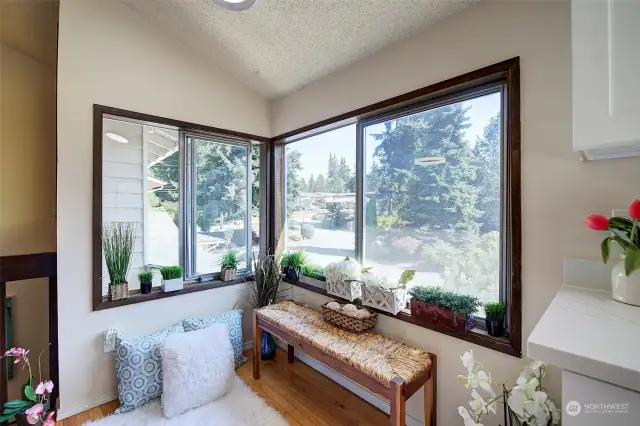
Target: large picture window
{"points": [[427, 181]]}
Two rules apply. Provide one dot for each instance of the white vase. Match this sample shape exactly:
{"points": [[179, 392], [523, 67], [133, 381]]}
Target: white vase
{"points": [[625, 289]]}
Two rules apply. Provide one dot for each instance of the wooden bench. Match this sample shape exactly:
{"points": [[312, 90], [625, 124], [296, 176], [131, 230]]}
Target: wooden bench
{"points": [[391, 370]]}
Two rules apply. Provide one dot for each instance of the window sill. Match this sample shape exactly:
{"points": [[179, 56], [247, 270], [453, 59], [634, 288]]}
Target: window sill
{"points": [[156, 293], [476, 336]]}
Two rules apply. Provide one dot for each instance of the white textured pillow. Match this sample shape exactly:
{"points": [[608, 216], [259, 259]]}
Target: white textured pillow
{"points": [[197, 368]]}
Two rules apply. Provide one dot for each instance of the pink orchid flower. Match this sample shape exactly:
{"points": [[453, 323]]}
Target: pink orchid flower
{"points": [[34, 413], [49, 421], [46, 387], [19, 353]]}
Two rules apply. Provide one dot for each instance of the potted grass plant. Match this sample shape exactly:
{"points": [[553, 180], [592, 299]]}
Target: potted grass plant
{"points": [[118, 239], [146, 281], [171, 278], [444, 308], [292, 263], [494, 318], [229, 268], [264, 291]]}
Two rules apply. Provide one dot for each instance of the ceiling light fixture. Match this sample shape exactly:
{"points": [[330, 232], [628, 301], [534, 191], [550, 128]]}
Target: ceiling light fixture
{"points": [[430, 161], [235, 5], [117, 138]]}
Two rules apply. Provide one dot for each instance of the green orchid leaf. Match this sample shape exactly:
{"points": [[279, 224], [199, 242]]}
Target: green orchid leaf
{"points": [[406, 276], [605, 249], [632, 260], [17, 403], [30, 393]]}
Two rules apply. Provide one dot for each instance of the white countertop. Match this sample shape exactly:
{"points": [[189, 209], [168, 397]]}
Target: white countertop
{"points": [[587, 332]]}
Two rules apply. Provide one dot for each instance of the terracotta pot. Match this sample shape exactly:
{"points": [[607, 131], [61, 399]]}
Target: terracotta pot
{"points": [[441, 317]]}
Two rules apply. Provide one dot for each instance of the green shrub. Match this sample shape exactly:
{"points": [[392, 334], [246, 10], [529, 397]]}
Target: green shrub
{"points": [[495, 311], [307, 231], [294, 259], [145, 276], [313, 271], [230, 260], [470, 262], [459, 303], [171, 272]]}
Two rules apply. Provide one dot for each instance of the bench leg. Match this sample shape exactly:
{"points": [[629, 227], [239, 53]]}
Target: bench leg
{"points": [[430, 406], [256, 347], [291, 353], [397, 398]]}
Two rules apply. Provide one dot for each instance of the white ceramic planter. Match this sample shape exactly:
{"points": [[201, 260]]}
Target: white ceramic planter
{"points": [[172, 285], [350, 290], [623, 288], [392, 301]]}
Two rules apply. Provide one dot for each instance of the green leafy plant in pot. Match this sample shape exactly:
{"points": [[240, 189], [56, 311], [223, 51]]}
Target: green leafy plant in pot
{"points": [[494, 319], [229, 268], [146, 281], [292, 263], [444, 308], [171, 278], [264, 291], [32, 408], [118, 239]]}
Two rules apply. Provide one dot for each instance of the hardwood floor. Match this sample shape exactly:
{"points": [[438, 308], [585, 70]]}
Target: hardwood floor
{"points": [[299, 393]]}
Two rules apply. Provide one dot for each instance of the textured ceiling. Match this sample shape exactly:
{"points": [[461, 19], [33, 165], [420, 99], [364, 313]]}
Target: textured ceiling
{"points": [[279, 46]]}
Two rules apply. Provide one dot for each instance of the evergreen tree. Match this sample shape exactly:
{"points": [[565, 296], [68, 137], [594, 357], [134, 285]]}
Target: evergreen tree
{"points": [[321, 184], [439, 196], [294, 180], [344, 173], [311, 184], [487, 156], [335, 183]]}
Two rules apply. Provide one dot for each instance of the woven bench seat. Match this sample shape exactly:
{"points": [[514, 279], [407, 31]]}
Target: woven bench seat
{"points": [[388, 368], [376, 356]]}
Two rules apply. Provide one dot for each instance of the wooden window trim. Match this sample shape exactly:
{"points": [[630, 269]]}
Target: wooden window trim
{"points": [[100, 302], [507, 72]]}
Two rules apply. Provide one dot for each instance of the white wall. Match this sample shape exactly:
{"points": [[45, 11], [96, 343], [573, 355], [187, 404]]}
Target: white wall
{"points": [[558, 191], [109, 56]]}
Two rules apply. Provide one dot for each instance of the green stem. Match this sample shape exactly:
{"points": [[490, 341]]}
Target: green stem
{"points": [[633, 232]]}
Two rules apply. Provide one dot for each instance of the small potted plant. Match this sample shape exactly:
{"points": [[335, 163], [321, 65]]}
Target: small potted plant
{"points": [[118, 239], [292, 264], [146, 278], [444, 308], [171, 278], [380, 292], [494, 319], [229, 267], [343, 279], [32, 408]]}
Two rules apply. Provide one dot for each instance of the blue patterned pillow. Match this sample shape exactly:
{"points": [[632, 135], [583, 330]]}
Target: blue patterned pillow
{"points": [[139, 368], [233, 319]]}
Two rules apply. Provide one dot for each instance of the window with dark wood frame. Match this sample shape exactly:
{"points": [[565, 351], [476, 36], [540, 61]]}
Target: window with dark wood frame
{"points": [[501, 84]]}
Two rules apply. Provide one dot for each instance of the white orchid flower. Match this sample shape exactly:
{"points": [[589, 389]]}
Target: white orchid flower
{"points": [[555, 413], [484, 380], [479, 405], [467, 360], [468, 421]]}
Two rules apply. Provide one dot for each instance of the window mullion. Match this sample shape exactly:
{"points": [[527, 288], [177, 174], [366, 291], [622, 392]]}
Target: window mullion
{"points": [[360, 194]]}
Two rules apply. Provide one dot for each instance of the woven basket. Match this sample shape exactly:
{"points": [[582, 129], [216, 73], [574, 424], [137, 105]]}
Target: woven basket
{"points": [[118, 291], [347, 322], [228, 274]]}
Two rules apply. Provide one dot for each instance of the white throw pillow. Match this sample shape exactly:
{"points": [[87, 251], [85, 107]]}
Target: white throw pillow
{"points": [[197, 367]]}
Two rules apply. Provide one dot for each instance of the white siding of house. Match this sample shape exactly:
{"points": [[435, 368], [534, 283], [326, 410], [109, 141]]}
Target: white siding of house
{"points": [[124, 189]]}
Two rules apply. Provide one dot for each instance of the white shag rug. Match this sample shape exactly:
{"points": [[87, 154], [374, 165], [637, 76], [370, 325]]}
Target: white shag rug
{"points": [[241, 406]]}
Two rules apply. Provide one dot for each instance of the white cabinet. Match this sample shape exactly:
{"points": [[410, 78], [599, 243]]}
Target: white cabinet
{"points": [[606, 77]]}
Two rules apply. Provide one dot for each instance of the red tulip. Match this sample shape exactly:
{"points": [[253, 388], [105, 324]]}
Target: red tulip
{"points": [[597, 222], [634, 209]]}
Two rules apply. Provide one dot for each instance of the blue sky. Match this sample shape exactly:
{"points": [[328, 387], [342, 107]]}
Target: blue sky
{"points": [[315, 150]]}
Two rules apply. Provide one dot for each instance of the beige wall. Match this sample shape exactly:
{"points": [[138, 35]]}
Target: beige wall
{"points": [[108, 55], [557, 189], [27, 164]]}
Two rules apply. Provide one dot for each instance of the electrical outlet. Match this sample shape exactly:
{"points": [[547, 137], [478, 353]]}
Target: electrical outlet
{"points": [[110, 340]]}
